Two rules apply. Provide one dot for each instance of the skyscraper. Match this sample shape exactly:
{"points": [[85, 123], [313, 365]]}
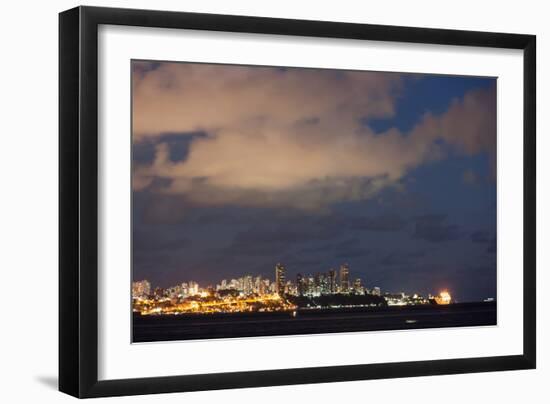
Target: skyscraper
{"points": [[300, 285], [310, 285], [193, 288], [321, 283], [280, 279], [332, 281], [357, 287], [248, 284], [344, 278]]}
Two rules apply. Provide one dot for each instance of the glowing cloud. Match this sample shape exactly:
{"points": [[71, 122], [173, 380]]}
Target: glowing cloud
{"points": [[291, 137]]}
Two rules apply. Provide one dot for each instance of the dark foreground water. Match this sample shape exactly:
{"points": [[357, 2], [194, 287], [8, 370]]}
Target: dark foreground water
{"points": [[185, 327]]}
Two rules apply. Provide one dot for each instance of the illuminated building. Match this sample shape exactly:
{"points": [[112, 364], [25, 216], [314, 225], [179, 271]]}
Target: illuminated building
{"points": [[174, 292], [193, 288], [417, 299], [141, 289], [280, 279], [248, 285], [300, 285], [395, 299], [310, 285], [332, 281], [290, 288], [321, 284], [344, 278], [253, 293], [184, 288], [273, 287], [257, 284], [394, 302], [357, 288], [158, 292], [263, 287], [234, 284], [266, 286]]}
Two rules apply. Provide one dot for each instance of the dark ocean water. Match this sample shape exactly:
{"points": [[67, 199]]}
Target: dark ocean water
{"points": [[186, 327]]}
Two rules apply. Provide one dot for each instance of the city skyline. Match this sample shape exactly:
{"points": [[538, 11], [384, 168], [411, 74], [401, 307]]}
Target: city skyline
{"points": [[331, 282], [236, 168], [329, 290]]}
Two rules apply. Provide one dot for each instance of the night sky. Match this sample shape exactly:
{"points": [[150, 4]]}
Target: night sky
{"points": [[237, 168]]}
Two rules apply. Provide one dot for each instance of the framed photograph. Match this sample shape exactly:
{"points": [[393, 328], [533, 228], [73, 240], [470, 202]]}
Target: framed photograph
{"points": [[251, 201]]}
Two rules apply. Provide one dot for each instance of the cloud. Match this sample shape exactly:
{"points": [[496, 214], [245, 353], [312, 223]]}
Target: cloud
{"points": [[480, 237], [177, 97], [387, 222], [470, 177], [469, 124], [285, 232], [162, 209], [290, 137], [162, 241], [483, 237], [351, 253], [433, 228], [341, 249], [402, 258]]}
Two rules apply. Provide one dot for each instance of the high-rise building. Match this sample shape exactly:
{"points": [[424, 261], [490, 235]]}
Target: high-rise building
{"points": [[290, 288], [257, 284], [332, 286], [234, 284], [248, 285], [321, 283], [280, 279], [264, 287], [273, 287], [309, 285], [193, 288], [240, 284], [344, 278], [300, 285], [357, 288]]}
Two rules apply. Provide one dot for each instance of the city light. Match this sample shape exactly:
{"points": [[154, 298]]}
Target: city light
{"points": [[330, 290], [443, 298]]}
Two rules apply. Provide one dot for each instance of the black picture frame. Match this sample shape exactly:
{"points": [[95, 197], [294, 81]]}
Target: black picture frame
{"points": [[78, 201]]}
